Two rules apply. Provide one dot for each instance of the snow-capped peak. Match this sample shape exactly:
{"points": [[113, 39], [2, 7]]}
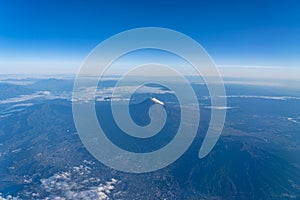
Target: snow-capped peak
{"points": [[155, 100]]}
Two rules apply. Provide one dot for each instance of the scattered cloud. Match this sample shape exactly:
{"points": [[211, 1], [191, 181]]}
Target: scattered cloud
{"points": [[63, 186], [260, 97], [8, 197], [219, 107], [17, 82], [120, 93], [23, 105], [77, 183], [23, 98], [295, 120], [36, 95]]}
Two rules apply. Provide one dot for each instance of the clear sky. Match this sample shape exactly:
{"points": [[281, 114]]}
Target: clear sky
{"points": [[56, 35]]}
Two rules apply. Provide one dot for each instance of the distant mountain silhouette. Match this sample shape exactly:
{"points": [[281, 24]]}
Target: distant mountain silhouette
{"points": [[8, 90], [53, 84]]}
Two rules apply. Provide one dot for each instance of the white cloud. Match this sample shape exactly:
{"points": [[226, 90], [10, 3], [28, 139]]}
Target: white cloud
{"points": [[78, 183], [37, 95], [105, 94], [260, 97], [14, 108], [8, 197], [5, 115], [23, 105], [23, 98], [17, 82], [219, 107], [295, 120]]}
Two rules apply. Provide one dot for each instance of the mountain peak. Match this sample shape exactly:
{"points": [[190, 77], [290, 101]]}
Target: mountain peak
{"points": [[155, 100]]}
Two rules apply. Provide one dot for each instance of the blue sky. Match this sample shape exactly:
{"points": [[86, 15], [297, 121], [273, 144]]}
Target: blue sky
{"points": [[55, 36]]}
